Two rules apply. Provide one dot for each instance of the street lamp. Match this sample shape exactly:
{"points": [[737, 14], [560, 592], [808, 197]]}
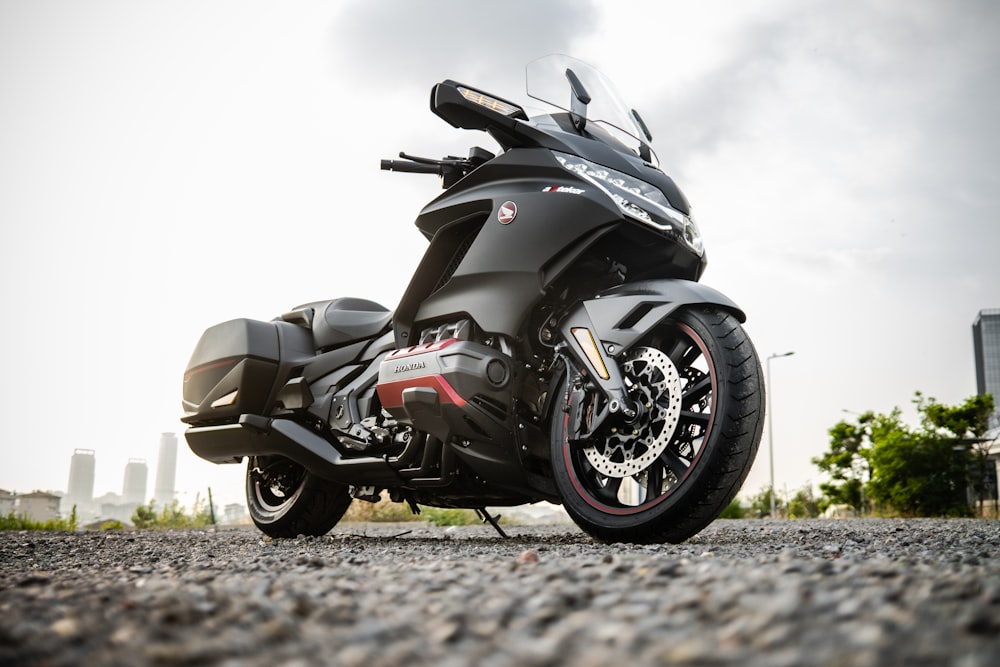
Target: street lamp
{"points": [[770, 430]]}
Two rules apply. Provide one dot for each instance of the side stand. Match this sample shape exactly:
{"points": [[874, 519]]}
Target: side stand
{"points": [[492, 520]]}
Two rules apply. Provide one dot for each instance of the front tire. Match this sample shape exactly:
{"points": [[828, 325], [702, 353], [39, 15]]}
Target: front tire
{"points": [[663, 478], [285, 500]]}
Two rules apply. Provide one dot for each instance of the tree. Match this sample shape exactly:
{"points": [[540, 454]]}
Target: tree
{"points": [[847, 463], [967, 425], [923, 471], [916, 472]]}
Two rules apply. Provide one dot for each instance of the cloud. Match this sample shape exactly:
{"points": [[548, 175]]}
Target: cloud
{"points": [[402, 43], [889, 68], [831, 126]]}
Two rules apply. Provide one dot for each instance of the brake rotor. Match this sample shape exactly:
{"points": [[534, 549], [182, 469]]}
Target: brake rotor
{"points": [[629, 449]]}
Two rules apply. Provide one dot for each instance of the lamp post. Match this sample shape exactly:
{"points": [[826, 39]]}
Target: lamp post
{"points": [[770, 430]]}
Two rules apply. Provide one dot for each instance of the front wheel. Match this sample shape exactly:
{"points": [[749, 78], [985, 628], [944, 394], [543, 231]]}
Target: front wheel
{"points": [[287, 501], [668, 473]]}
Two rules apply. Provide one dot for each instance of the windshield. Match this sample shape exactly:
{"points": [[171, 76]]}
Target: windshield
{"points": [[547, 81]]}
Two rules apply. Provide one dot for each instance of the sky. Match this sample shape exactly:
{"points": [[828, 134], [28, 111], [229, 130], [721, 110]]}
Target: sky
{"points": [[167, 166]]}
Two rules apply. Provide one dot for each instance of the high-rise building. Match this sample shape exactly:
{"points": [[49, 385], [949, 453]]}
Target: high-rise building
{"points": [[81, 482], [134, 486], [986, 341], [166, 470]]}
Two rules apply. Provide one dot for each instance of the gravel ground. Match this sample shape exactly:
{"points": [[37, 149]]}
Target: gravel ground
{"points": [[824, 592]]}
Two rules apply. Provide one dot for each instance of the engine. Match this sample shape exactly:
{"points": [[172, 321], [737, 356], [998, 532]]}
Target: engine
{"points": [[453, 389]]}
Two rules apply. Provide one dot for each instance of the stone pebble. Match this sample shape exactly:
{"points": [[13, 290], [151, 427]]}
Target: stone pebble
{"points": [[812, 592]]}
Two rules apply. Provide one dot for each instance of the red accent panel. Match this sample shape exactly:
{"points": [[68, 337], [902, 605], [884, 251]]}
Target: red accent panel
{"points": [[207, 367], [420, 349], [391, 393]]}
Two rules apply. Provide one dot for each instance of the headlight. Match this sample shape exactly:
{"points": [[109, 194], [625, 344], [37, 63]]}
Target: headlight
{"points": [[637, 199]]}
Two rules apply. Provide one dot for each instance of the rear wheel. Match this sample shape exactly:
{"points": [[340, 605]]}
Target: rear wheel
{"points": [[286, 501], [698, 386]]}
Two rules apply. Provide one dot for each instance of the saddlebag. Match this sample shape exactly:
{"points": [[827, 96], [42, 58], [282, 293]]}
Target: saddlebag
{"points": [[238, 367]]}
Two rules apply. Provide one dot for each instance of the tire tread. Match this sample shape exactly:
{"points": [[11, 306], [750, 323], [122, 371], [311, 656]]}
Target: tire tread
{"points": [[737, 434]]}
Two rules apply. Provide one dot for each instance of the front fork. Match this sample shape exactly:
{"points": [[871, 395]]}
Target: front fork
{"points": [[588, 412], [590, 361]]}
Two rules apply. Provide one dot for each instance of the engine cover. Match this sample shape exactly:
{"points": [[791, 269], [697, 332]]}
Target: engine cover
{"points": [[450, 389]]}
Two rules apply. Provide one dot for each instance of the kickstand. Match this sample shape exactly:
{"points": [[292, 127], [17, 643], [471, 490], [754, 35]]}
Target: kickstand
{"points": [[492, 520]]}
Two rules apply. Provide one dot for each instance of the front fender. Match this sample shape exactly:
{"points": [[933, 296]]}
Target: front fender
{"points": [[623, 314], [618, 317]]}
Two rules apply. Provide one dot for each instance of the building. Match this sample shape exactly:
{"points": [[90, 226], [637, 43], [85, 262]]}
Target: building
{"points": [[986, 341], [81, 482], [112, 506], [166, 470], [235, 513], [134, 486], [38, 506], [7, 500]]}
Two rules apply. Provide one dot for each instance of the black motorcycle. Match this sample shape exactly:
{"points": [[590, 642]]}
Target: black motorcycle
{"points": [[554, 344]]}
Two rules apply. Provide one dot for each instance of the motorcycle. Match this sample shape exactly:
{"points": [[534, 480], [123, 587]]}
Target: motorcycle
{"points": [[554, 344]]}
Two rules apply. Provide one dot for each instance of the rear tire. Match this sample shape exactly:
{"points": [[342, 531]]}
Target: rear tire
{"points": [[287, 501], [671, 473]]}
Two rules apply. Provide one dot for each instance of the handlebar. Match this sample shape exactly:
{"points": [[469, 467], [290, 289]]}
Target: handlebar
{"points": [[451, 169], [411, 167]]}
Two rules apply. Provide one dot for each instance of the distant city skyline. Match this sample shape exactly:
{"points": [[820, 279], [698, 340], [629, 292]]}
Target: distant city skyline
{"points": [[80, 490]]}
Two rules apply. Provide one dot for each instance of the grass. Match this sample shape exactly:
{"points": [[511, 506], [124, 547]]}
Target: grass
{"points": [[16, 522], [173, 517], [386, 511]]}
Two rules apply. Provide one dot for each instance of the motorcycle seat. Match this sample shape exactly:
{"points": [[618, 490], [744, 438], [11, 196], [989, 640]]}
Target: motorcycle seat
{"points": [[341, 321]]}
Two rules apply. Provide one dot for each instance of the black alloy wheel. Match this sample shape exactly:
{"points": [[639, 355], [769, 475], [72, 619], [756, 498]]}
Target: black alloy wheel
{"points": [[285, 500], [698, 386]]}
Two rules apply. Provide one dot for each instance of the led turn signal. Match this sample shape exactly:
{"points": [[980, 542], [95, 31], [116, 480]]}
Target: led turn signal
{"points": [[226, 400], [589, 345], [492, 103]]}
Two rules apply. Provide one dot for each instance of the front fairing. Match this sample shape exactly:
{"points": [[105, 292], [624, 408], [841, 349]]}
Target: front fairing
{"points": [[495, 271], [556, 132]]}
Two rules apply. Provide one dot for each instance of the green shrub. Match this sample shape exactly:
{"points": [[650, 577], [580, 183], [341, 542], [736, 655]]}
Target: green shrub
{"points": [[733, 511], [386, 511], [173, 516], [450, 517], [16, 522]]}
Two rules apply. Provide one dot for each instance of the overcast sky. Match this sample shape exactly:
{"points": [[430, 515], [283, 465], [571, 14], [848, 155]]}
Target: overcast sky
{"points": [[166, 166]]}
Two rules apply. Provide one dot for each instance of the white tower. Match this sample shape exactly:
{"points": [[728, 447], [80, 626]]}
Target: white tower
{"points": [[134, 486], [166, 471], [81, 482]]}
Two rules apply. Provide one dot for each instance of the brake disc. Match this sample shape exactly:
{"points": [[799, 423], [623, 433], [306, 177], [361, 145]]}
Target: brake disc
{"points": [[630, 448]]}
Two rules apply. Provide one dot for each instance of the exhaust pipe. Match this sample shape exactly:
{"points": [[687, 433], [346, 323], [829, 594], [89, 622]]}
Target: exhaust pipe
{"points": [[259, 436]]}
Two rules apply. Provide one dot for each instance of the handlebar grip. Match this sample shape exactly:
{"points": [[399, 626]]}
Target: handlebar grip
{"points": [[411, 167]]}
